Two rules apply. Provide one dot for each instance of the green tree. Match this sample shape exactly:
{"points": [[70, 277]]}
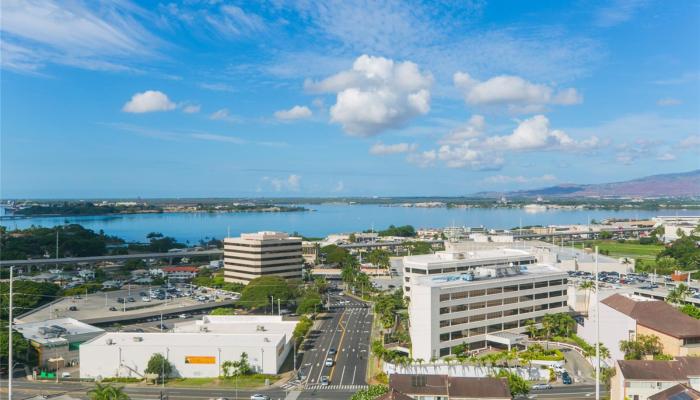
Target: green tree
{"points": [[517, 385], [302, 328], [158, 364], [641, 346], [370, 393], [678, 294], [107, 392], [379, 258], [308, 303], [259, 292], [223, 311], [587, 286]]}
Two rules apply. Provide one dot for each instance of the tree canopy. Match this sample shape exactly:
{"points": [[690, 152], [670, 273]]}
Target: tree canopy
{"points": [[258, 292], [157, 364], [35, 242]]}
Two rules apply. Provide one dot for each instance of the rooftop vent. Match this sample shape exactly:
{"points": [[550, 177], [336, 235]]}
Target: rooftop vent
{"points": [[138, 339]]}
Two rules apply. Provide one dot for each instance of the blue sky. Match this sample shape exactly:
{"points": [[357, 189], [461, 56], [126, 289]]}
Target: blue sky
{"points": [[307, 98]]}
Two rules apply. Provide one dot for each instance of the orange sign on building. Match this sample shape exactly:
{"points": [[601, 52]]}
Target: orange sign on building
{"points": [[200, 360]]}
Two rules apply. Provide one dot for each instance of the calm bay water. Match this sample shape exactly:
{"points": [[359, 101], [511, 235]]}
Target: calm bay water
{"points": [[324, 220]]}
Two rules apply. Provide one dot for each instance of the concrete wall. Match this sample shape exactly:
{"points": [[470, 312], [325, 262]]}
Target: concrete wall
{"points": [[102, 360], [614, 327]]}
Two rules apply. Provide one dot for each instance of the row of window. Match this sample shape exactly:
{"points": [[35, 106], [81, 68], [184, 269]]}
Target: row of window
{"points": [[297, 262], [499, 302], [230, 257], [498, 290], [500, 314], [261, 245], [482, 330], [467, 267], [232, 273]]}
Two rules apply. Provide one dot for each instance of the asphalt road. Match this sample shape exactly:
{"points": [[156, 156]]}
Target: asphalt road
{"points": [[565, 392], [346, 328]]}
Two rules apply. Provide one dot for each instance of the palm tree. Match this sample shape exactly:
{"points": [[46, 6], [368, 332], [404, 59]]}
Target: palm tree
{"points": [[107, 392], [588, 286], [531, 328], [678, 294]]}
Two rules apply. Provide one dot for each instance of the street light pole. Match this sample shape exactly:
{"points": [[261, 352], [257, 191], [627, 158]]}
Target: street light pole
{"points": [[9, 339], [597, 331]]}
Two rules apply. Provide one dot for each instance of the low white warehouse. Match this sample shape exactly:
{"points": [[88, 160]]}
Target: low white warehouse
{"points": [[195, 349]]}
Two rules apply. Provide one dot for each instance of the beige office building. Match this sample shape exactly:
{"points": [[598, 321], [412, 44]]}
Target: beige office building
{"points": [[262, 254]]}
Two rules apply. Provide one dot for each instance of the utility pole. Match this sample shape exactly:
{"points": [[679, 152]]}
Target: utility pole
{"points": [[9, 339], [272, 308], [279, 307], [597, 331]]}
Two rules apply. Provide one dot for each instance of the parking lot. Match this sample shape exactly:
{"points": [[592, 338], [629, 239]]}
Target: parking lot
{"points": [[132, 302]]}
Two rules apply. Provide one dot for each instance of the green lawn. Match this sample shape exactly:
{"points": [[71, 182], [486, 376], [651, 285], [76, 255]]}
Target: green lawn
{"points": [[244, 382], [631, 250]]}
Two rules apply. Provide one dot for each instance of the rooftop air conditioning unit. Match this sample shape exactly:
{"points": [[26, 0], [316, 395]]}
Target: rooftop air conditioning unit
{"points": [[138, 339], [110, 341]]}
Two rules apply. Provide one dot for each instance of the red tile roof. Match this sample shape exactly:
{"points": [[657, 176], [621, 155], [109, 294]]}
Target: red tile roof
{"points": [[656, 315]]}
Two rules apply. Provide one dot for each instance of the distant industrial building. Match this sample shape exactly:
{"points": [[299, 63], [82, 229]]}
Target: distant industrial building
{"points": [[479, 298], [195, 348], [56, 341], [253, 255]]}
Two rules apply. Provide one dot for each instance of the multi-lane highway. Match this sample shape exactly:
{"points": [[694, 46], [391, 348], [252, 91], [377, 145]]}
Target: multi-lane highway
{"points": [[342, 336]]}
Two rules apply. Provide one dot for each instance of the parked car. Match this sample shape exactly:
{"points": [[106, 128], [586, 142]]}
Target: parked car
{"points": [[113, 308], [259, 396], [131, 300], [146, 299], [120, 300], [72, 308], [329, 362], [65, 375], [182, 316], [541, 386], [325, 381], [566, 378]]}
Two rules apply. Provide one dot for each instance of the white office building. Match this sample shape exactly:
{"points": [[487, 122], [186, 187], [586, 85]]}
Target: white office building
{"points": [[253, 255], [195, 348], [457, 259], [482, 304]]}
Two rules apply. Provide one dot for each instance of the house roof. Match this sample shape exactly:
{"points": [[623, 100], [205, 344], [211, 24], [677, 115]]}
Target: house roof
{"points": [[677, 392], [656, 315], [674, 370], [179, 269], [455, 386]]}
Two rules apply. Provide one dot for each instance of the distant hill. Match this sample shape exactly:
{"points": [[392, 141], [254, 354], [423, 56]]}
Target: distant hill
{"points": [[682, 184]]}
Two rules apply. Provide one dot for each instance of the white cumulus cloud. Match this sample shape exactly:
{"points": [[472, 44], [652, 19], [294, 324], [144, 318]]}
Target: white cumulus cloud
{"points": [[191, 108], [291, 183], [535, 134], [148, 101], [518, 94], [296, 112], [506, 179], [380, 148], [376, 94]]}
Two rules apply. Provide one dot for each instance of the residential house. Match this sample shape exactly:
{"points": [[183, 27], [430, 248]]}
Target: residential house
{"points": [[642, 379]]}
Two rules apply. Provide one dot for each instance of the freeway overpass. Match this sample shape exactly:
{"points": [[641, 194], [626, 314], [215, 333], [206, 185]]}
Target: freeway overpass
{"points": [[121, 257]]}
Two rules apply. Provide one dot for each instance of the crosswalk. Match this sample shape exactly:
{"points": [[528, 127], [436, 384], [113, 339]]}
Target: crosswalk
{"points": [[335, 387]]}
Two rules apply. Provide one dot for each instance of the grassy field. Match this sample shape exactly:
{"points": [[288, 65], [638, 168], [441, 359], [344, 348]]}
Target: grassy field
{"points": [[646, 252], [244, 382]]}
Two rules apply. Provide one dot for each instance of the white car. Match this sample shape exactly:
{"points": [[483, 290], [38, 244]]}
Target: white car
{"points": [[541, 386], [259, 396], [329, 362], [146, 299]]}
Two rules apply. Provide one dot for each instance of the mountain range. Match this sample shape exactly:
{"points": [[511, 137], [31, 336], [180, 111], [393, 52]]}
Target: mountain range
{"points": [[682, 184]]}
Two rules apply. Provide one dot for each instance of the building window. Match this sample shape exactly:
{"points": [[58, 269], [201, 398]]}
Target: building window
{"points": [[460, 295], [496, 290], [529, 297], [477, 331], [495, 328], [477, 305], [541, 307], [444, 337], [445, 351], [541, 284], [456, 335], [444, 323], [444, 310], [459, 308], [540, 296], [526, 286], [459, 321], [445, 297], [494, 303], [555, 305], [477, 293], [510, 325], [510, 300], [525, 310], [512, 288], [494, 315], [556, 282], [508, 313], [555, 293], [477, 318]]}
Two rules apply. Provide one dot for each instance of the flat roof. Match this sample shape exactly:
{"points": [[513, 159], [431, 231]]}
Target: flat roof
{"points": [[55, 330], [211, 330], [466, 255], [461, 279]]}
